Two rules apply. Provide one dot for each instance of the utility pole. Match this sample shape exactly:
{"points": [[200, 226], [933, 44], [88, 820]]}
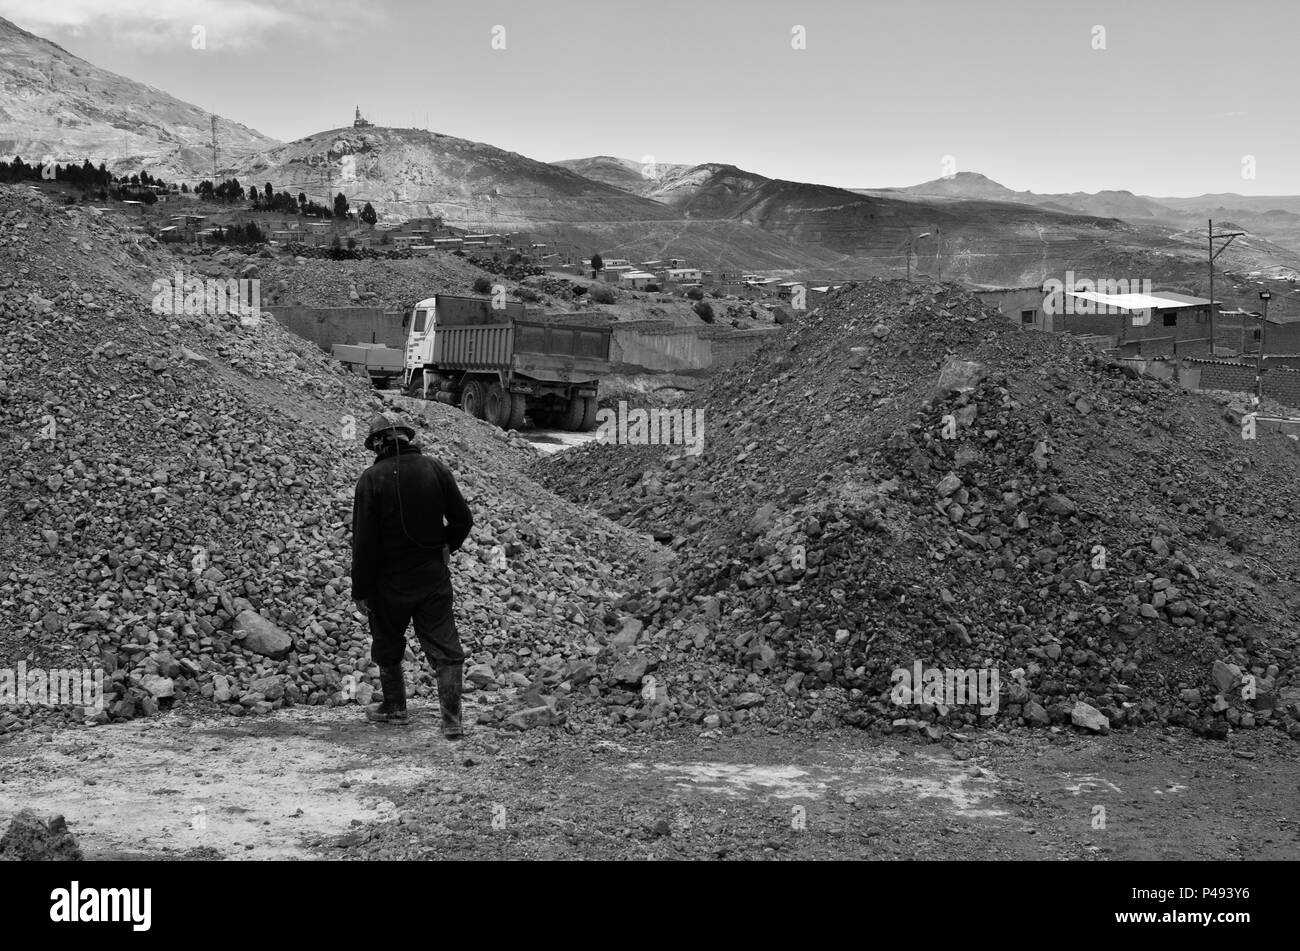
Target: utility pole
{"points": [[938, 255], [1209, 231], [1265, 296], [214, 150]]}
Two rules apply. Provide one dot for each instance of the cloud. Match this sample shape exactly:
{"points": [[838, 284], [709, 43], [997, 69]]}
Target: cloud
{"points": [[231, 26]]}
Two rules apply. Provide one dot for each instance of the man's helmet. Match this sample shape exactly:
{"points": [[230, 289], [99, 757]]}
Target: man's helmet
{"points": [[387, 423]]}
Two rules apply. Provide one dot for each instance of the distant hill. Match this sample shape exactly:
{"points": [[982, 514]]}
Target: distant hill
{"points": [[56, 105], [411, 173], [639, 178], [972, 186]]}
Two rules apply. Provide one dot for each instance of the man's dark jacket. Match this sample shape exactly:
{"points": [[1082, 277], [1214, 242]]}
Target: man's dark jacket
{"points": [[391, 539]]}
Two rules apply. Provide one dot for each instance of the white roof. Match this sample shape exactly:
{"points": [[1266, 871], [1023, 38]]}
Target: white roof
{"points": [[1137, 301], [636, 275]]}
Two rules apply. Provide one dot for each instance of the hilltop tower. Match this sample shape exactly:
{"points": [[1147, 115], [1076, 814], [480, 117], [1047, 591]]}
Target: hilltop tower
{"points": [[360, 123]]}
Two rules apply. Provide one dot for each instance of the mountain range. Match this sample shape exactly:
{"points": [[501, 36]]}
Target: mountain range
{"points": [[966, 226]]}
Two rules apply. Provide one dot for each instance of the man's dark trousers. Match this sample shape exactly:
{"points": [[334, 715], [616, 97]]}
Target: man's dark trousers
{"points": [[422, 595]]}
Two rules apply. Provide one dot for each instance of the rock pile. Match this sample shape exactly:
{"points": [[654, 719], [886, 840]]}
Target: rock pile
{"points": [[177, 501], [909, 479], [30, 839]]}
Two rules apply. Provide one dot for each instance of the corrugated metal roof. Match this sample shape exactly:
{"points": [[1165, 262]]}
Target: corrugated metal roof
{"points": [[1165, 300]]}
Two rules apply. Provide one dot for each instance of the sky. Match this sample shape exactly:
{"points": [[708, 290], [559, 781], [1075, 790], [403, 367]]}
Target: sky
{"points": [[1159, 97]]}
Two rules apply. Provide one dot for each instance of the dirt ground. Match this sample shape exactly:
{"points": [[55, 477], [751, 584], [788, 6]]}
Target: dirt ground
{"points": [[323, 783]]}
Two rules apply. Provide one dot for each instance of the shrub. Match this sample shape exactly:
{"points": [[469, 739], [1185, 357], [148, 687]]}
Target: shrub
{"points": [[694, 293], [704, 310], [482, 286], [602, 293]]}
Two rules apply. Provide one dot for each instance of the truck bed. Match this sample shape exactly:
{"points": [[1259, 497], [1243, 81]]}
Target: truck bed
{"points": [[373, 357], [544, 351]]}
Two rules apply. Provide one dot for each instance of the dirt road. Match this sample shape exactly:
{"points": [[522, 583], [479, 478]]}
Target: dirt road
{"points": [[312, 782]]}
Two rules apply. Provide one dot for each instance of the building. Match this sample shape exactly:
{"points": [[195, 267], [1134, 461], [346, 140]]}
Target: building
{"points": [[1160, 323], [1021, 305], [683, 275], [636, 280]]}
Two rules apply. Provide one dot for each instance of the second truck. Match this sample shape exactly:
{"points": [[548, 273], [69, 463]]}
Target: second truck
{"points": [[498, 365]]}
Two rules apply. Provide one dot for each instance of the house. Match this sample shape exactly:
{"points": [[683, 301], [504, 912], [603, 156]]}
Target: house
{"points": [[636, 280], [786, 289], [683, 275], [1021, 305], [1157, 323]]}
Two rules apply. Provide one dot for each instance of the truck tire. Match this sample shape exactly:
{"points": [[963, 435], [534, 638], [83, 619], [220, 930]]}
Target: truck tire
{"points": [[589, 414], [575, 415], [415, 389], [472, 399], [496, 406], [518, 410]]}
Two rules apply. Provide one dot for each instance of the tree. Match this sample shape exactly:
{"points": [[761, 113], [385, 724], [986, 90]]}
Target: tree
{"points": [[185, 188], [368, 214], [270, 193], [302, 200], [597, 264], [340, 205], [352, 244]]}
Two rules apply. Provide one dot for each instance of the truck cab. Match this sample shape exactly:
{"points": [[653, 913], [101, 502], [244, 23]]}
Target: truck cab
{"points": [[420, 334]]}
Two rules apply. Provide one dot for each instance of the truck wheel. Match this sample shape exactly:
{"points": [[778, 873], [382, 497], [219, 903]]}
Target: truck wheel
{"points": [[590, 408], [496, 406], [415, 389], [518, 409], [574, 415], [472, 399]]}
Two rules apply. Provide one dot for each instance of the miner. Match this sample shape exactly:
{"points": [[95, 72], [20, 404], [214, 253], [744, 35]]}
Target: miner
{"points": [[408, 517]]}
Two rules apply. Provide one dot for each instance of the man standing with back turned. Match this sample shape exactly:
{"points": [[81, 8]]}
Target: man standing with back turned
{"points": [[407, 517]]}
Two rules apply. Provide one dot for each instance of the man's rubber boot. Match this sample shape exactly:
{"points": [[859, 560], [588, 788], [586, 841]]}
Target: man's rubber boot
{"points": [[393, 709], [449, 688]]}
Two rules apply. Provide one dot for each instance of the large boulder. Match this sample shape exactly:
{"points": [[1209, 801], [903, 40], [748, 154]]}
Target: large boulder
{"points": [[261, 636], [1089, 717], [959, 376]]}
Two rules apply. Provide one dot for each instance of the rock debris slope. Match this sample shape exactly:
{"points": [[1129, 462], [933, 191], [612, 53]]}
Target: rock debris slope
{"points": [[176, 502], [906, 478]]}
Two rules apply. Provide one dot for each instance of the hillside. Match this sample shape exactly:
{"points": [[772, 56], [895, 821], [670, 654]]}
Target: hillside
{"points": [[409, 173], [58, 105], [639, 178]]}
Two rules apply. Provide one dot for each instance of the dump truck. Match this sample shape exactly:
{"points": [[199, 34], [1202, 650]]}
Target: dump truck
{"points": [[382, 364], [497, 364]]}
